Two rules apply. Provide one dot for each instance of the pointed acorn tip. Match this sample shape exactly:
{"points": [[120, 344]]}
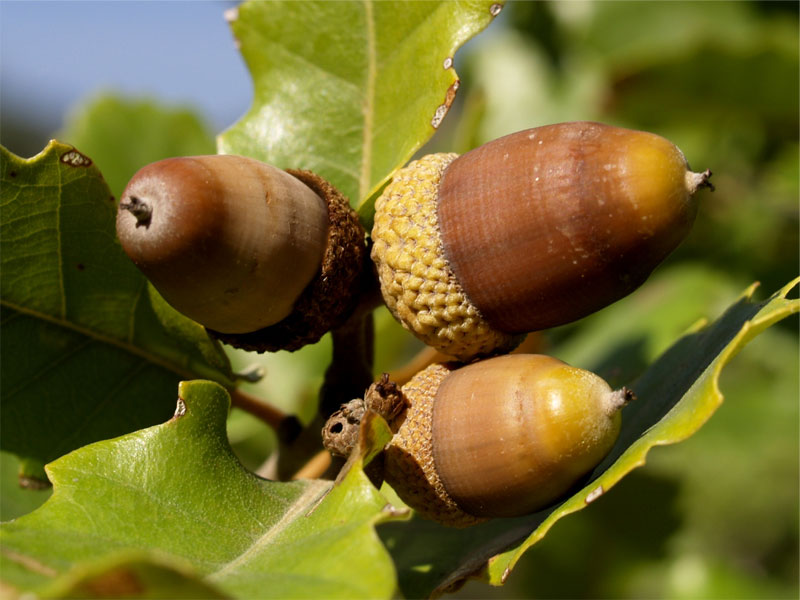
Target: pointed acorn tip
{"points": [[695, 181], [139, 209], [620, 398]]}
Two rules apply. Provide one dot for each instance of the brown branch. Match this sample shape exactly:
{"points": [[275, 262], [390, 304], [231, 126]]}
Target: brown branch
{"points": [[287, 427], [316, 467], [534, 343]]}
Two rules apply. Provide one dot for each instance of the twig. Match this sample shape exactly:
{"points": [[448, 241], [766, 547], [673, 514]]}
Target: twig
{"points": [[534, 343], [288, 427], [424, 358], [350, 371], [316, 467]]}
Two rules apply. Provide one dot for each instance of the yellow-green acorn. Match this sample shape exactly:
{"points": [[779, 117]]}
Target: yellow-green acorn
{"points": [[502, 437], [532, 230]]}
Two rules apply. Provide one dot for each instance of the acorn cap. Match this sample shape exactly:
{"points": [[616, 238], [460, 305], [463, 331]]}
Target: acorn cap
{"points": [[408, 460], [417, 284]]}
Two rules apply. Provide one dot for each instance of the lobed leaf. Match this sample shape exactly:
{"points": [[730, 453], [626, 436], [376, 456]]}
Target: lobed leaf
{"points": [[176, 495], [349, 89], [89, 352], [676, 395]]}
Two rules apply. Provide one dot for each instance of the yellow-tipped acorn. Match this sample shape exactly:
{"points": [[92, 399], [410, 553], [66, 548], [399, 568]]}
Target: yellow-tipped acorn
{"points": [[502, 437], [532, 230]]}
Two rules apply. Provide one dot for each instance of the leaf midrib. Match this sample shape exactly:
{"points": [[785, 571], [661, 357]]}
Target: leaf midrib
{"points": [[369, 103], [300, 504], [99, 337]]}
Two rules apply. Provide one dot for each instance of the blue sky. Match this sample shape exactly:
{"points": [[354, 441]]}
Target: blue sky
{"points": [[54, 54]]}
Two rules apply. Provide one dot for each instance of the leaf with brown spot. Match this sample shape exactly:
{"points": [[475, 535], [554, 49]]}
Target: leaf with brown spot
{"points": [[349, 90]]}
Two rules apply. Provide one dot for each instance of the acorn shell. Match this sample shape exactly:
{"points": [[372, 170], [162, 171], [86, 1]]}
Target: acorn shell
{"points": [[340, 283], [265, 259], [548, 225], [230, 242], [513, 434]]}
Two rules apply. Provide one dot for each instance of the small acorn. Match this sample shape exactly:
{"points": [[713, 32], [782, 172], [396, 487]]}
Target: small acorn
{"points": [[532, 230], [502, 437], [265, 259]]}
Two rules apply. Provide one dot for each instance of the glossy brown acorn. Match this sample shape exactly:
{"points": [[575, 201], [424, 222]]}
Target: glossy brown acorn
{"points": [[237, 245], [501, 437], [532, 230]]}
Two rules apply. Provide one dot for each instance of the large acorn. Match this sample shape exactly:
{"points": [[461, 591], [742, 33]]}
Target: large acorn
{"points": [[502, 437], [532, 230], [265, 259]]}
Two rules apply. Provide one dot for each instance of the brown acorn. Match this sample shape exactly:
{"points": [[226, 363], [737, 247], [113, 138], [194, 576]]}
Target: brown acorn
{"points": [[264, 258], [502, 437], [532, 230]]}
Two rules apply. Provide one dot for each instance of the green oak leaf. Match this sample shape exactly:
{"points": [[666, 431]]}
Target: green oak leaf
{"points": [[349, 90], [88, 351], [176, 492], [622, 340], [676, 395]]}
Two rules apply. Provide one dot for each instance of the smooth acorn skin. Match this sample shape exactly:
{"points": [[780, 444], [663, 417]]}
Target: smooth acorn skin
{"points": [[532, 230], [513, 434], [545, 226], [229, 241], [502, 437]]}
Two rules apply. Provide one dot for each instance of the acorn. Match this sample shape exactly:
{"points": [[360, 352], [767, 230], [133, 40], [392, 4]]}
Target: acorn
{"points": [[265, 259], [532, 230], [502, 437]]}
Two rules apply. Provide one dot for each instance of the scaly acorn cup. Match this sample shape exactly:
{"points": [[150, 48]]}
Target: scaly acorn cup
{"points": [[532, 230], [502, 437], [265, 259]]}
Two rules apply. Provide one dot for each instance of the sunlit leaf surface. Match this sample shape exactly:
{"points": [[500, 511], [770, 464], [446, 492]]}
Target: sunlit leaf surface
{"points": [[176, 493], [349, 89], [676, 395]]}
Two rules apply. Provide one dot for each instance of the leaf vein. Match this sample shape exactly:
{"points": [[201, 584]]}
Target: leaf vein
{"points": [[59, 247], [100, 337], [300, 505], [369, 103], [89, 418], [63, 357]]}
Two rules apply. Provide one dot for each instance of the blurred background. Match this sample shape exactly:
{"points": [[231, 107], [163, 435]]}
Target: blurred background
{"points": [[713, 517], [58, 55]]}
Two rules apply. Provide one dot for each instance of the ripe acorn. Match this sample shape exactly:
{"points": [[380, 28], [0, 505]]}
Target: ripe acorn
{"points": [[502, 437], [532, 230], [265, 259]]}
